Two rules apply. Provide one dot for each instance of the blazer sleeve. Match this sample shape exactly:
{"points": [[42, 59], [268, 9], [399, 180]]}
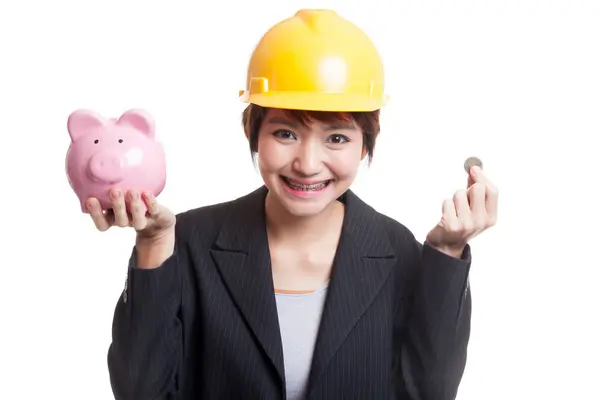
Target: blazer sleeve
{"points": [[146, 348], [434, 350]]}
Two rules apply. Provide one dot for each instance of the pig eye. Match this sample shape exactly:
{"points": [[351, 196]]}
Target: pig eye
{"points": [[120, 140], [96, 141]]}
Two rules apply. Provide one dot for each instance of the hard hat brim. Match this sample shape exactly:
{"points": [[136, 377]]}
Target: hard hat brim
{"points": [[307, 101]]}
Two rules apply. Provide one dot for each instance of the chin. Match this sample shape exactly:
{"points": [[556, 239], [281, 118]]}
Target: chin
{"points": [[305, 201]]}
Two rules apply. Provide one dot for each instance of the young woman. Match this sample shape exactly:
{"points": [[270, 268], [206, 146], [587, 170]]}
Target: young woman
{"points": [[298, 290]]}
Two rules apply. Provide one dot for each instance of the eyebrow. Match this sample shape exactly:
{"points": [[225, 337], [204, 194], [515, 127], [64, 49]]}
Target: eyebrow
{"points": [[338, 126], [341, 126], [281, 121]]}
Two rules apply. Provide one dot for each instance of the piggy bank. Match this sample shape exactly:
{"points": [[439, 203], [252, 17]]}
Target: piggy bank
{"points": [[113, 152]]}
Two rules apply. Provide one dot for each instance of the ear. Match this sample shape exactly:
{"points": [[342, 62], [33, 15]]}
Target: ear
{"points": [[81, 121], [140, 120], [364, 153]]}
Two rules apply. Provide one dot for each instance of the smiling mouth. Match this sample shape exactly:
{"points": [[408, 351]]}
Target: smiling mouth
{"points": [[305, 188]]}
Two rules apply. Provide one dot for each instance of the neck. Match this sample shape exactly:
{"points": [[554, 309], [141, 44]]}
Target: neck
{"points": [[284, 226]]}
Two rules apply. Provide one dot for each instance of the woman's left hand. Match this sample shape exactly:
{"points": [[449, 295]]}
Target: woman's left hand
{"points": [[470, 212]]}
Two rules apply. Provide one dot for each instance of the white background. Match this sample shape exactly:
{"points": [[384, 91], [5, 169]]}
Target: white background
{"points": [[516, 83]]}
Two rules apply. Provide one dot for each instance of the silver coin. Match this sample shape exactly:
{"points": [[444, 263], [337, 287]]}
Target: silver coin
{"points": [[472, 161]]}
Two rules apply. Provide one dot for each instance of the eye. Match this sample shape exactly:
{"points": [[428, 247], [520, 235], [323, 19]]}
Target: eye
{"points": [[284, 134], [96, 141], [338, 139], [120, 140]]}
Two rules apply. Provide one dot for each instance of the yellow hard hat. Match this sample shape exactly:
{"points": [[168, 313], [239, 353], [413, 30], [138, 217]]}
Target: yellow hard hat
{"points": [[315, 61]]}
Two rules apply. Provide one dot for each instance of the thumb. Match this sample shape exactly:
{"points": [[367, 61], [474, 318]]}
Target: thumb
{"points": [[434, 237], [471, 165], [470, 181], [472, 178]]}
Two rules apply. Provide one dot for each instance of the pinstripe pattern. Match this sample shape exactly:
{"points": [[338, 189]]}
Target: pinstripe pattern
{"points": [[204, 325]]}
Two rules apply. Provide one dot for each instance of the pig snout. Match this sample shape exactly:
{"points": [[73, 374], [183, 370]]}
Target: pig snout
{"points": [[107, 167]]}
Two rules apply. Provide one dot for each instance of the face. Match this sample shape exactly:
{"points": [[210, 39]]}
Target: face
{"points": [[307, 167]]}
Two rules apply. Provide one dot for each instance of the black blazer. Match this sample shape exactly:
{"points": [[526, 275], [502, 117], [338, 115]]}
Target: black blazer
{"points": [[204, 325]]}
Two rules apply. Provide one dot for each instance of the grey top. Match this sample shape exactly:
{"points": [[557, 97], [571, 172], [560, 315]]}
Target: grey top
{"points": [[299, 320]]}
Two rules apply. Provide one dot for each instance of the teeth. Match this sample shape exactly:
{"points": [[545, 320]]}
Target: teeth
{"points": [[298, 186]]}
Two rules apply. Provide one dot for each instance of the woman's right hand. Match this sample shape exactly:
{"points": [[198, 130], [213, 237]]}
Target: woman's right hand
{"points": [[154, 223]]}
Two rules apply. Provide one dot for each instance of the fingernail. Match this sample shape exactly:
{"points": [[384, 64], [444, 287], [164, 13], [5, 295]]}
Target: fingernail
{"points": [[135, 195]]}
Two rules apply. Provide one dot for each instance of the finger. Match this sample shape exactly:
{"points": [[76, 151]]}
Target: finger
{"points": [[119, 208], [152, 204], [491, 191], [101, 220], [449, 215], [137, 208], [461, 204]]}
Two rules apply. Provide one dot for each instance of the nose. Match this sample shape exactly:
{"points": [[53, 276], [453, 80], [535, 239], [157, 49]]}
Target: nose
{"points": [[107, 167], [309, 159]]}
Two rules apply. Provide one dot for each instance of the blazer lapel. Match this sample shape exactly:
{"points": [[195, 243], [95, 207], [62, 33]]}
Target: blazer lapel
{"points": [[363, 261], [242, 256]]}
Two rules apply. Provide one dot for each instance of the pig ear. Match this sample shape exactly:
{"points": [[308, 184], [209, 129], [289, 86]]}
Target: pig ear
{"points": [[138, 119], [81, 121]]}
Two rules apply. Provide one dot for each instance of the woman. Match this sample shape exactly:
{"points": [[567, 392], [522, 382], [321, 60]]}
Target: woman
{"points": [[298, 289]]}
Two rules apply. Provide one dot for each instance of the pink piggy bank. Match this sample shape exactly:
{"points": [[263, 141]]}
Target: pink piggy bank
{"points": [[106, 153]]}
